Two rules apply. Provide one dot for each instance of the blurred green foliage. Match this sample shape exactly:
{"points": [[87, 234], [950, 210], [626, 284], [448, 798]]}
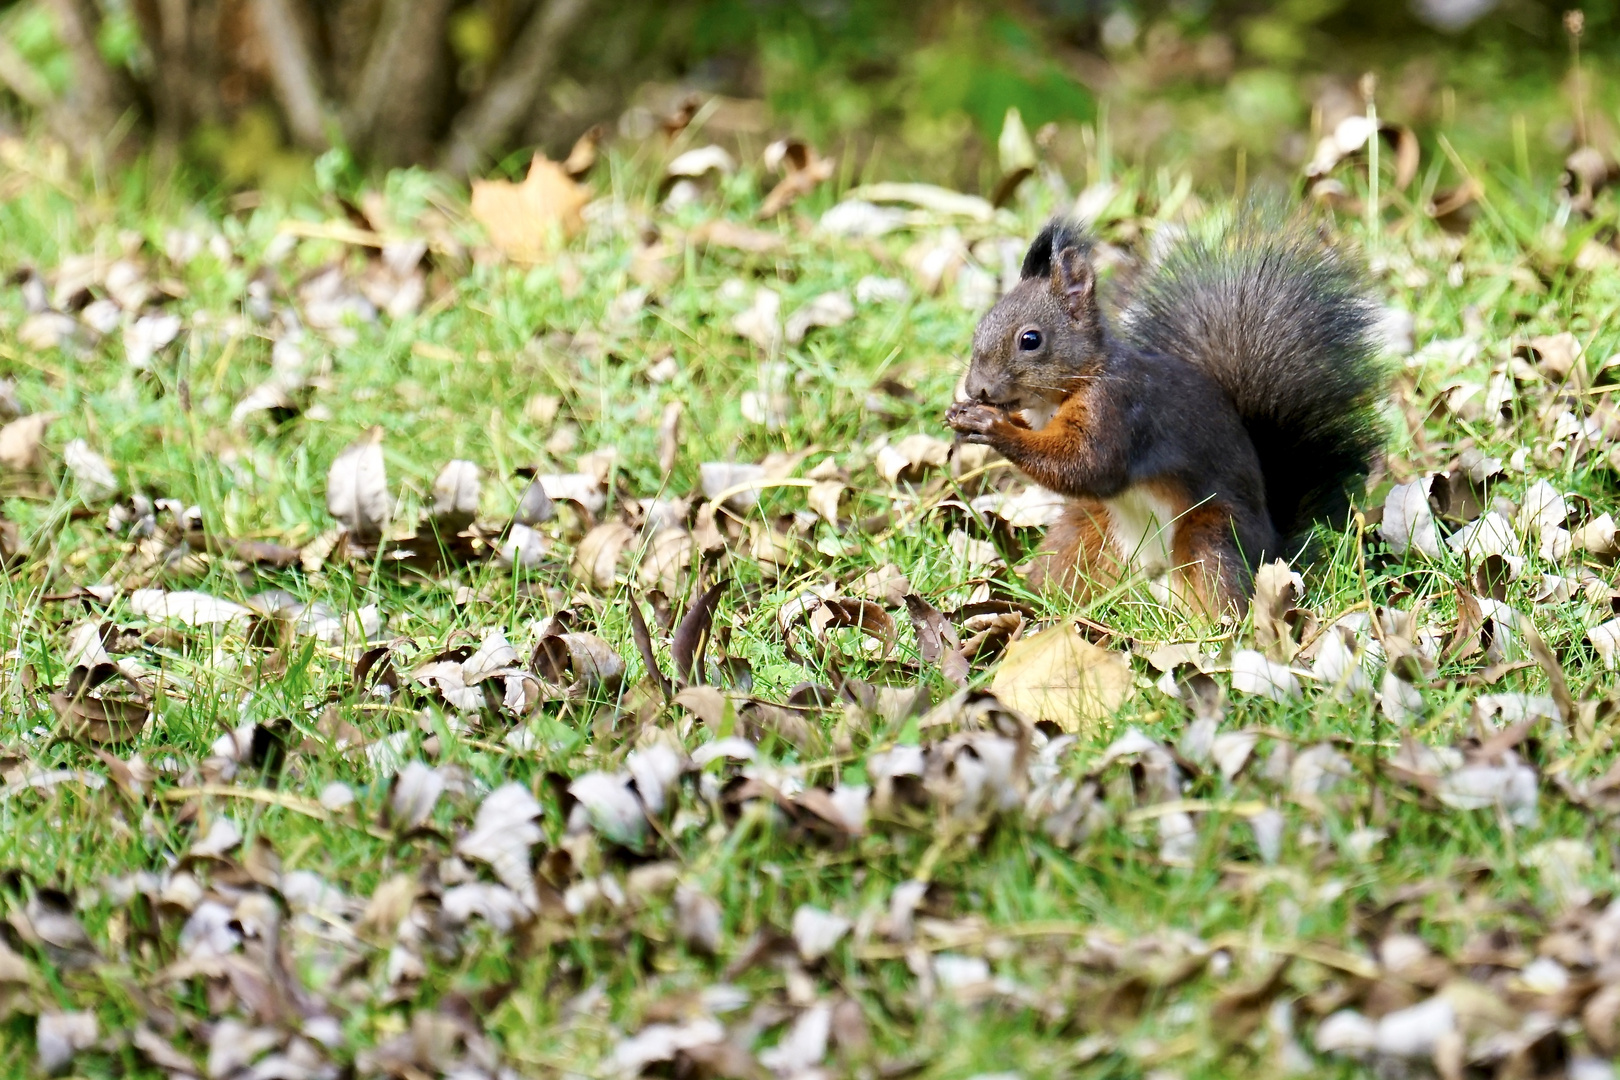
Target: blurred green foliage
{"points": [[929, 81]]}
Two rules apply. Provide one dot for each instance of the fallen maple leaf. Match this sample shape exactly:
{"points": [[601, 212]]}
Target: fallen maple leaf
{"points": [[1058, 675], [524, 219]]}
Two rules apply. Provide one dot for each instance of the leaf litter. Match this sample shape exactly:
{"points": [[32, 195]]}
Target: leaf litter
{"points": [[761, 699]]}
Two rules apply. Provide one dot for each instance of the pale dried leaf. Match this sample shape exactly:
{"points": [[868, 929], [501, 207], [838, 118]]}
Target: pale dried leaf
{"points": [[416, 792], [1030, 507], [1487, 535], [816, 931], [661, 1042], [1059, 676], [911, 456], [761, 322], [1253, 673], [223, 835], [494, 653], [147, 334], [190, 608], [525, 220], [19, 442], [596, 559], [1605, 639], [455, 494], [611, 807], [732, 480], [581, 488], [95, 477], [357, 488], [805, 1044], [697, 919], [1401, 701], [703, 159], [497, 905], [59, 1036], [1408, 521], [830, 309], [503, 831]]}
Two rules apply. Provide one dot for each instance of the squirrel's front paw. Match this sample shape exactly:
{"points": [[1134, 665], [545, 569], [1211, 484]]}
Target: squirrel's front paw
{"points": [[974, 420]]}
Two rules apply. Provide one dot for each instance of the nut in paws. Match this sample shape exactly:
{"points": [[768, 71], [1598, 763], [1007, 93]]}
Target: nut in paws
{"points": [[974, 419]]}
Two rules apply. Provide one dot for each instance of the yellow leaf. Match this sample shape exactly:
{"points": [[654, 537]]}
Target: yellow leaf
{"points": [[1058, 675], [524, 219]]}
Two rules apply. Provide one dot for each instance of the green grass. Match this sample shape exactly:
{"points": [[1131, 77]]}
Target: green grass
{"points": [[560, 991]]}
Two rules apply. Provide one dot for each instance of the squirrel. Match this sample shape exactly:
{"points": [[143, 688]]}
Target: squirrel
{"points": [[1235, 406]]}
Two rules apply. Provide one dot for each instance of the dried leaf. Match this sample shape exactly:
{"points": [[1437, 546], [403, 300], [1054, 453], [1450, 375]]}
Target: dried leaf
{"points": [[612, 808], [669, 437], [697, 919], [1059, 676], [101, 705], [668, 561], [830, 309], [700, 160], [1408, 523], [455, 495], [95, 477], [502, 834], [1252, 673], [805, 1044], [596, 559], [413, 794], [357, 488], [728, 234], [643, 639], [190, 608], [911, 456], [761, 321], [19, 442], [1605, 639], [692, 636], [60, 1036], [524, 220], [578, 664], [937, 641], [803, 171], [535, 507], [662, 1042], [735, 481], [817, 931], [1277, 590]]}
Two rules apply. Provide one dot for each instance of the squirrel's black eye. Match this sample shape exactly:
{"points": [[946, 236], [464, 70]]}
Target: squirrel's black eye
{"points": [[1029, 340]]}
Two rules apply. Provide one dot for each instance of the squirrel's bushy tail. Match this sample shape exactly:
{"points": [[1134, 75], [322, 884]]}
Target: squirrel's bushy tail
{"points": [[1287, 327]]}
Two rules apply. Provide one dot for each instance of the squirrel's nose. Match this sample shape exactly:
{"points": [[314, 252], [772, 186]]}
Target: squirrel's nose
{"points": [[980, 387]]}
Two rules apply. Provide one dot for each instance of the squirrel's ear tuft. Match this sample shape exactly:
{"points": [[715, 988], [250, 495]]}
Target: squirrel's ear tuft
{"points": [[1074, 283], [1038, 261], [1057, 235]]}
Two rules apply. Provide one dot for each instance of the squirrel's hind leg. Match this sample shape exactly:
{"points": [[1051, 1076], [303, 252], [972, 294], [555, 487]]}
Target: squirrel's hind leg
{"points": [[1076, 557], [1211, 575]]}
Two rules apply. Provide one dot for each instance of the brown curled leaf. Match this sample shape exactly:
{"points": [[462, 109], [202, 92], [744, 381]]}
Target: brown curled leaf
{"points": [[937, 639], [639, 631], [577, 664], [101, 705], [692, 636], [1557, 683]]}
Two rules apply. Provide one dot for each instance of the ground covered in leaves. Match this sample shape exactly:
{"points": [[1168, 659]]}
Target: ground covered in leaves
{"points": [[550, 634]]}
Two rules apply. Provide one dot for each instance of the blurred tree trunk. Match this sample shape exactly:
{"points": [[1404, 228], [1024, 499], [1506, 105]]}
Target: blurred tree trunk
{"points": [[378, 76], [183, 32], [292, 69], [400, 95], [96, 97], [490, 119]]}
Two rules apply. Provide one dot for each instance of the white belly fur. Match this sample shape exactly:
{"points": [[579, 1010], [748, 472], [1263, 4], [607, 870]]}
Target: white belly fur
{"points": [[1142, 528]]}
